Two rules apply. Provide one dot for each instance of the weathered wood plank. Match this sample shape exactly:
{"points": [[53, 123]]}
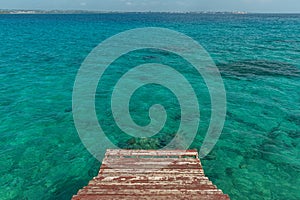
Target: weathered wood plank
{"points": [[150, 166], [152, 177], [151, 161], [158, 153], [145, 183], [149, 191], [147, 186], [152, 197], [158, 170]]}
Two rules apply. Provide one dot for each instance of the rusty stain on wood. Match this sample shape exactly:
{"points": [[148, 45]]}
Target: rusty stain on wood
{"points": [[150, 174]]}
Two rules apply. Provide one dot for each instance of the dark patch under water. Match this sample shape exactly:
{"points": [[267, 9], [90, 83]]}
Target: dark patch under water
{"points": [[255, 68]]}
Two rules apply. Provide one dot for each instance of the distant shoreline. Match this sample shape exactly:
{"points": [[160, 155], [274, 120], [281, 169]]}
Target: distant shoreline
{"points": [[3, 11]]}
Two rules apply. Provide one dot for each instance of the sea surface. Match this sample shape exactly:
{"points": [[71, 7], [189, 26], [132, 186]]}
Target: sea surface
{"points": [[258, 55]]}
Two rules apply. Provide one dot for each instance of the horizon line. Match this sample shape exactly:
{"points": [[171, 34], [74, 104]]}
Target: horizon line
{"points": [[149, 11], [119, 11]]}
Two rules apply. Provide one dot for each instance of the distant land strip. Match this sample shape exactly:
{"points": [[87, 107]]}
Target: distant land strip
{"points": [[16, 11]]}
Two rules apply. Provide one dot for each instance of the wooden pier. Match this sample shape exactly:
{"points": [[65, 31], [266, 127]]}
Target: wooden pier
{"points": [[150, 174]]}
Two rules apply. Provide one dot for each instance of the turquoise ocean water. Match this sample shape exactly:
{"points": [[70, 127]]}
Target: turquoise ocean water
{"points": [[258, 154]]}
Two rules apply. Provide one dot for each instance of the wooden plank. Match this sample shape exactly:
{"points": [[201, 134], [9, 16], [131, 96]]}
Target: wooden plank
{"points": [[148, 186], [152, 197], [149, 191], [147, 171], [151, 177], [146, 183], [151, 166], [158, 153], [150, 161]]}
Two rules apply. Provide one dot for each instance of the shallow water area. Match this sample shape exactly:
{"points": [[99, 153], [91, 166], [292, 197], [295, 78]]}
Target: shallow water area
{"points": [[258, 55]]}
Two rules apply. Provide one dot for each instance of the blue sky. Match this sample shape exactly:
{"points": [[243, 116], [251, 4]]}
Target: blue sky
{"points": [[158, 5]]}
